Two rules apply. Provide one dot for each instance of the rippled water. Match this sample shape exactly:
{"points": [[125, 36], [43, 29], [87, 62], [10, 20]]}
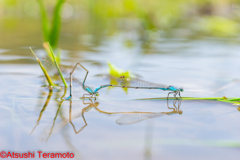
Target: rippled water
{"points": [[119, 125]]}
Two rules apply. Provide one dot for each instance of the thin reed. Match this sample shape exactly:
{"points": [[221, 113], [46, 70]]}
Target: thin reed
{"points": [[56, 64], [51, 84]]}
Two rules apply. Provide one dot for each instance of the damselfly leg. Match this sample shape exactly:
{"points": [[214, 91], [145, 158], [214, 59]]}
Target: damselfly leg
{"points": [[179, 94], [83, 84], [169, 94], [175, 93]]}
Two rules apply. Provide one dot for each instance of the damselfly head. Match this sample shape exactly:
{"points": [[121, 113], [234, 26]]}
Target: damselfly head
{"points": [[181, 89], [97, 94]]}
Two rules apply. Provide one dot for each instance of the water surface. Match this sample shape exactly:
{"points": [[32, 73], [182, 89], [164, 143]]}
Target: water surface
{"points": [[120, 125]]}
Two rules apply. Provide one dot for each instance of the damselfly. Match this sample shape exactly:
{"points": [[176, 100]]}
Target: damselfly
{"points": [[125, 82]]}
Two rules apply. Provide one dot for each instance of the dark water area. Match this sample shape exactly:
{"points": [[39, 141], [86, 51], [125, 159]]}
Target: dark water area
{"points": [[135, 124]]}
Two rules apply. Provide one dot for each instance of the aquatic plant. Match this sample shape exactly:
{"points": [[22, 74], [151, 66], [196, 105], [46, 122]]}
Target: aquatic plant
{"points": [[49, 80], [51, 31], [53, 59], [56, 64]]}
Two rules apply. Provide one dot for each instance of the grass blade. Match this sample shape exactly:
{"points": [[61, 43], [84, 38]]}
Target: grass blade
{"points": [[45, 46], [59, 55], [56, 64], [44, 70]]}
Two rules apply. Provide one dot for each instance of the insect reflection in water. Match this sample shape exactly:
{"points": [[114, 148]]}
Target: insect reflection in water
{"points": [[127, 117]]}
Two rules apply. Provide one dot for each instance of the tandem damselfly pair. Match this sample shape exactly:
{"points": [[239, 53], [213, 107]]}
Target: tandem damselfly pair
{"points": [[125, 82]]}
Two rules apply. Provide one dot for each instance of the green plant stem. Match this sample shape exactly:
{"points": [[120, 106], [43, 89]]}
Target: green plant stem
{"points": [[204, 98], [51, 84], [233, 100], [55, 62], [222, 99]]}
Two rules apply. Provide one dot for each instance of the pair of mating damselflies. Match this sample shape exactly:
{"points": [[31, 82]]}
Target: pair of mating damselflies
{"points": [[124, 82]]}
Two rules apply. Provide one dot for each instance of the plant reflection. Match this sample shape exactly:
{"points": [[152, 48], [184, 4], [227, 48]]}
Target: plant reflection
{"points": [[59, 108], [43, 109], [128, 117]]}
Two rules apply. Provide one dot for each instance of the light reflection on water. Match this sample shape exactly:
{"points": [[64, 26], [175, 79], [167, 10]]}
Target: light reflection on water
{"points": [[203, 129]]}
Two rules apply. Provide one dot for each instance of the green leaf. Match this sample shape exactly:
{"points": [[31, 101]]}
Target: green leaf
{"points": [[56, 64], [56, 23]]}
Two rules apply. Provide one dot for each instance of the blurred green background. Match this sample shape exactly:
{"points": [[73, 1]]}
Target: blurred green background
{"points": [[21, 24]]}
